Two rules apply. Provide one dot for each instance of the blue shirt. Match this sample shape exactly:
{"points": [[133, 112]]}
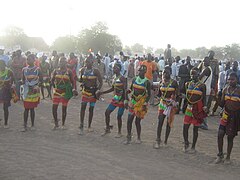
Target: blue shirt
{"points": [[5, 58]]}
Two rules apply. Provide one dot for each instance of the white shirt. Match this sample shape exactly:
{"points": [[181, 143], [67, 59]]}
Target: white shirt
{"points": [[125, 65], [136, 66], [106, 62], [161, 64]]}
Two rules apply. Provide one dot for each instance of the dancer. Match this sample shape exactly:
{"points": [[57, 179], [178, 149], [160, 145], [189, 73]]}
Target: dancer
{"points": [[62, 80], [6, 81], [91, 82], [30, 91], [140, 95], [230, 122], [167, 106], [196, 109], [119, 100], [46, 74]]}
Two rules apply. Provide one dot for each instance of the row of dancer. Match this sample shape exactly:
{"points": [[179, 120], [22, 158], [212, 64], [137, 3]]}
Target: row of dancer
{"points": [[137, 102]]}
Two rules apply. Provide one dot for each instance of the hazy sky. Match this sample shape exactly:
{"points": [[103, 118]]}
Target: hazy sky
{"points": [[155, 23]]}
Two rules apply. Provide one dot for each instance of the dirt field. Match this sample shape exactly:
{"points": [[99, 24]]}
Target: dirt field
{"points": [[63, 154]]}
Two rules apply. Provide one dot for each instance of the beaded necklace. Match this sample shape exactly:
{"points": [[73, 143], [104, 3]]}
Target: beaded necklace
{"points": [[196, 86]]}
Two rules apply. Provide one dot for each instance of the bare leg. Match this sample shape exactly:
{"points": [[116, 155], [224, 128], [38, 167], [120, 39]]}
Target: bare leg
{"points": [[185, 135], [6, 113], [129, 128], [42, 91], [82, 114], [161, 118], [49, 92], [168, 130], [32, 114], [25, 117], [64, 114], [54, 112], [221, 134], [229, 146], [138, 127], [91, 108], [195, 136], [119, 119]]}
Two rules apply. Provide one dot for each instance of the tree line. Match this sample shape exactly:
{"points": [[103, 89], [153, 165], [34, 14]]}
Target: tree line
{"points": [[97, 39]]}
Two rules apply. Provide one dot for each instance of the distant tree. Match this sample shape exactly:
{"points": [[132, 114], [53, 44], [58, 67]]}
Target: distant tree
{"points": [[15, 36], [98, 39], [219, 52], [187, 52], [149, 50], [232, 52], [159, 51], [201, 52], [127, 50], [175, 52], [137, 48], [65, 44]]}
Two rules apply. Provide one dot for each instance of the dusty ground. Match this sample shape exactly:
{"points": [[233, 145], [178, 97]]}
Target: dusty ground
{"points": [[63, 154]]}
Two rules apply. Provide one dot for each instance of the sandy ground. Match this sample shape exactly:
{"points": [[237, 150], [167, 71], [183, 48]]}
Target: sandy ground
{"points": [[63, 154]]}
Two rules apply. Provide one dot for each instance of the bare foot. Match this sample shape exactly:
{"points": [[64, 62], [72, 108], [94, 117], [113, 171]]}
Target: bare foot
{"points": [[64, 127], [138, 141], [107, 131], [90, 130], [81, 132], [119, 135]]}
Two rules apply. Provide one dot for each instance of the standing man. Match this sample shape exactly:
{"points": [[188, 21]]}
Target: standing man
{"points": [[215, 74], [136, 65], [151, 67], [175, 68], [91, 80], [184, 75], [168, 55], [106, 61], [206, 78]]}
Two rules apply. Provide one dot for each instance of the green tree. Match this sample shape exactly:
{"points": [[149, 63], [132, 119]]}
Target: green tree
{"points": [[127, 50], [65, 44], [15, 36], [187, 52], [98, 39], [232, 52], [137, 48], [219, 52], [159, 51], [149, 50], [201, 52]]}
